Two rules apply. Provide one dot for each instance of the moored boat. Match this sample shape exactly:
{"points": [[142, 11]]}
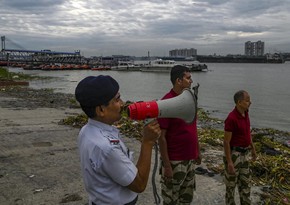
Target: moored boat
{"points": [[196, 66], [85, 67], [125, 66], [101, 68], [31, 67], [158, 65], [3, 63]]}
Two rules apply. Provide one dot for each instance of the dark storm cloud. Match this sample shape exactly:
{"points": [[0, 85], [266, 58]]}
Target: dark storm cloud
{"points": [[135, 27], [248, 7], [30, 4], [18, 4], [245, 28], [212, 2]]}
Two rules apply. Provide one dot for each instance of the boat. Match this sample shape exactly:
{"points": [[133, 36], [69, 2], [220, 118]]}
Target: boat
{"points": [[31, 67], [158, 65], [3, 63], [100, 67], [125, 66], [68, 67], [85, 67], [52, 67], [195, 66]]}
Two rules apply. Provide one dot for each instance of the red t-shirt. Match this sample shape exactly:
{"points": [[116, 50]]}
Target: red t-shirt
{"points": [[181, 137], [239, 126]]}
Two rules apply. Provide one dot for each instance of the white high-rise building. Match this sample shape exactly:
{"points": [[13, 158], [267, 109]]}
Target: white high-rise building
{"points": [[184, 52], [254, 48]]}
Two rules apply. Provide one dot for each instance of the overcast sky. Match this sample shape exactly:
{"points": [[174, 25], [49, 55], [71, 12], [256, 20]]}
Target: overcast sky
{"points": [[134, 27]]}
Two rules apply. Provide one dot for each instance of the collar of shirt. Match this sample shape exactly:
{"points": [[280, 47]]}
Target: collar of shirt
{"points": [[102, 126], [173, 93], [239, 115]]}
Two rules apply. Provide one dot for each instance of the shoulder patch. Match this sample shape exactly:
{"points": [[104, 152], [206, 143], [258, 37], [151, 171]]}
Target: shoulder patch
{"points": [[114, 141]]}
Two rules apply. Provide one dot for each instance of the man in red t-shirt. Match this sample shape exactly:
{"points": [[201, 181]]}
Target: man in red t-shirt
{"points": [[237, 146], [179, 147]]}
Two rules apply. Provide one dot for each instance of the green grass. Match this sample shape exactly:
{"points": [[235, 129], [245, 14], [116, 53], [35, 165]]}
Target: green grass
{"points": [[6, 75]]}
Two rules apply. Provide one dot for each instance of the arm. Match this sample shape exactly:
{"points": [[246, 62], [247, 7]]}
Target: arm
{"points": [[151, 132], [227, 149], [198, 161], [253, 150], [164, 155]]}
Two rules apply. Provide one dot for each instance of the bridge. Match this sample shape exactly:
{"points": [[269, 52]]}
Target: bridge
{"points": [[37, 57]]}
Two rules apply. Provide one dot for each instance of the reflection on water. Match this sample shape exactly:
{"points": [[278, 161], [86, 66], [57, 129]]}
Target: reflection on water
{"points": [[268, 85]]}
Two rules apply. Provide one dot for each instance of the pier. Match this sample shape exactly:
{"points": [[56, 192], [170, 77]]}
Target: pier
{"points": [[35, 57]]}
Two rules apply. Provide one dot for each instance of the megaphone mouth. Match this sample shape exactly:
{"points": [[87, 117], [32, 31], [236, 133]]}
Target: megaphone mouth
{"points": [[183, 106]]}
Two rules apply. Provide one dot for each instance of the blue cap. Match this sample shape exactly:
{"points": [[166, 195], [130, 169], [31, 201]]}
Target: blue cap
{"points": [[96, 90]]}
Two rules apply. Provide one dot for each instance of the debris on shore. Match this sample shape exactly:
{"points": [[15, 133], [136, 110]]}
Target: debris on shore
{"points": [[271, 170]]}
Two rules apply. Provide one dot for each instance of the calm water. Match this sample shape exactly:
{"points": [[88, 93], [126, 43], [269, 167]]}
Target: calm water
{"points": [[268, 85]]}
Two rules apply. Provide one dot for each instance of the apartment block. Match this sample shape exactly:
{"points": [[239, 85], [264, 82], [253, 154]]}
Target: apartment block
{"points": [[184, 52], [254, 48]]}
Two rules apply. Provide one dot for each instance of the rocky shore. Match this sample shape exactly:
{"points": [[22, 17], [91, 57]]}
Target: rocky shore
{"points": [[39, 161], [39, 158]]}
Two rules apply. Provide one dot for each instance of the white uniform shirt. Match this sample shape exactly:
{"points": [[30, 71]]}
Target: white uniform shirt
{"points": [[106, 165]]}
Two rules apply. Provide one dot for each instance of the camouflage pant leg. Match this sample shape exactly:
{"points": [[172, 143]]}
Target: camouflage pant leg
{"points": [[179, 191], [242, 179], [244, 182]]}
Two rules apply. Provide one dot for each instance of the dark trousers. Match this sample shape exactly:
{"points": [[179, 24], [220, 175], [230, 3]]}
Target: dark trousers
{"points": [[130, 203]]}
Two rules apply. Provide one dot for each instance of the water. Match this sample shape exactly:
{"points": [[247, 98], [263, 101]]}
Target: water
{"points": [[268, 85]]}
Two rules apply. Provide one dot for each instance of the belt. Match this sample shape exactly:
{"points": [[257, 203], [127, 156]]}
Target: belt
{"points": [[130, 203], [240, 149], [133, 202]]}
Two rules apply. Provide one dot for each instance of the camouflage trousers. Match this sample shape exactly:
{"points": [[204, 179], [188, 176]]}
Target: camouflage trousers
{"points": [[179, 190], [242, 179]]}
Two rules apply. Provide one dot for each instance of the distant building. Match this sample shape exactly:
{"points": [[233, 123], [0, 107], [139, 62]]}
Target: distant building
{"points": [[254, 48], [184, 52]]}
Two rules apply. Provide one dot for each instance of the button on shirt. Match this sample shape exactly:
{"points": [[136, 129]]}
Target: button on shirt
{"points": [[106, 163], [239, 126]]}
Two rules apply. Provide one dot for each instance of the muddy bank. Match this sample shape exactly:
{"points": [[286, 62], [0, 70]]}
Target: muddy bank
{"points": [[39, 158], [32, 99]]}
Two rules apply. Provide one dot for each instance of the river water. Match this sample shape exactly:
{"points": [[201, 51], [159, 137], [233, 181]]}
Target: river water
{"points": [[267, 84]]}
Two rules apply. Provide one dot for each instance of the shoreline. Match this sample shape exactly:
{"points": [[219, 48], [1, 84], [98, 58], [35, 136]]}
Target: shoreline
{"points": [[40, 155], [259, 114], [36, 149]]}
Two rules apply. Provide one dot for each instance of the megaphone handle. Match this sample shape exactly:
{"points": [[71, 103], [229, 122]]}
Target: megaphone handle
{"points": [[147, 121]]}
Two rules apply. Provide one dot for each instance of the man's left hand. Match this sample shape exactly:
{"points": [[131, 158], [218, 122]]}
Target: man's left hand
{"points": [[198, 160]]}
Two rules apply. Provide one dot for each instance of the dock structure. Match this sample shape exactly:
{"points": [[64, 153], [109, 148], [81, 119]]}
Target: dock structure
{"points": [[42, 56]]}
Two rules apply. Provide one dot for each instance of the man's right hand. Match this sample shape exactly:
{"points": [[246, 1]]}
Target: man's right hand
{"points": [[151, 132], [231, 168], [168, 173]]}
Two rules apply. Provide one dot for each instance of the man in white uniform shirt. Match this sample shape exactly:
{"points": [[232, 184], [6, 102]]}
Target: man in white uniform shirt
{"points": [[110, 176]]}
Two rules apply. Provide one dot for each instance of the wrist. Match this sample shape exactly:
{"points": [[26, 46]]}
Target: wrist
{"points": [[230, 162], [167, 165], [148, 142]]}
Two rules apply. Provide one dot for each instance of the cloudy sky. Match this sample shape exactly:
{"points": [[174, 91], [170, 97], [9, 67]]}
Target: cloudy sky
{"points": [[134, 27]]}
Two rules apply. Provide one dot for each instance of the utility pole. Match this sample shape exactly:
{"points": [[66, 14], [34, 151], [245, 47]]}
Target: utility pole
{"points": [[3, 43]]}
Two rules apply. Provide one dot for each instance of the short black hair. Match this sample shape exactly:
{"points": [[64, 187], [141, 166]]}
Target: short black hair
{"points": [[239, 95], [178, 71], [90, 111]]}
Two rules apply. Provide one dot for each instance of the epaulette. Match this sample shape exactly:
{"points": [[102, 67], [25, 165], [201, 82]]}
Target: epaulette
{"points": [[114, 141]]}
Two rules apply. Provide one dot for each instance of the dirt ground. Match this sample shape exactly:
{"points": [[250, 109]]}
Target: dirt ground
{"points": [[39, 163]]}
